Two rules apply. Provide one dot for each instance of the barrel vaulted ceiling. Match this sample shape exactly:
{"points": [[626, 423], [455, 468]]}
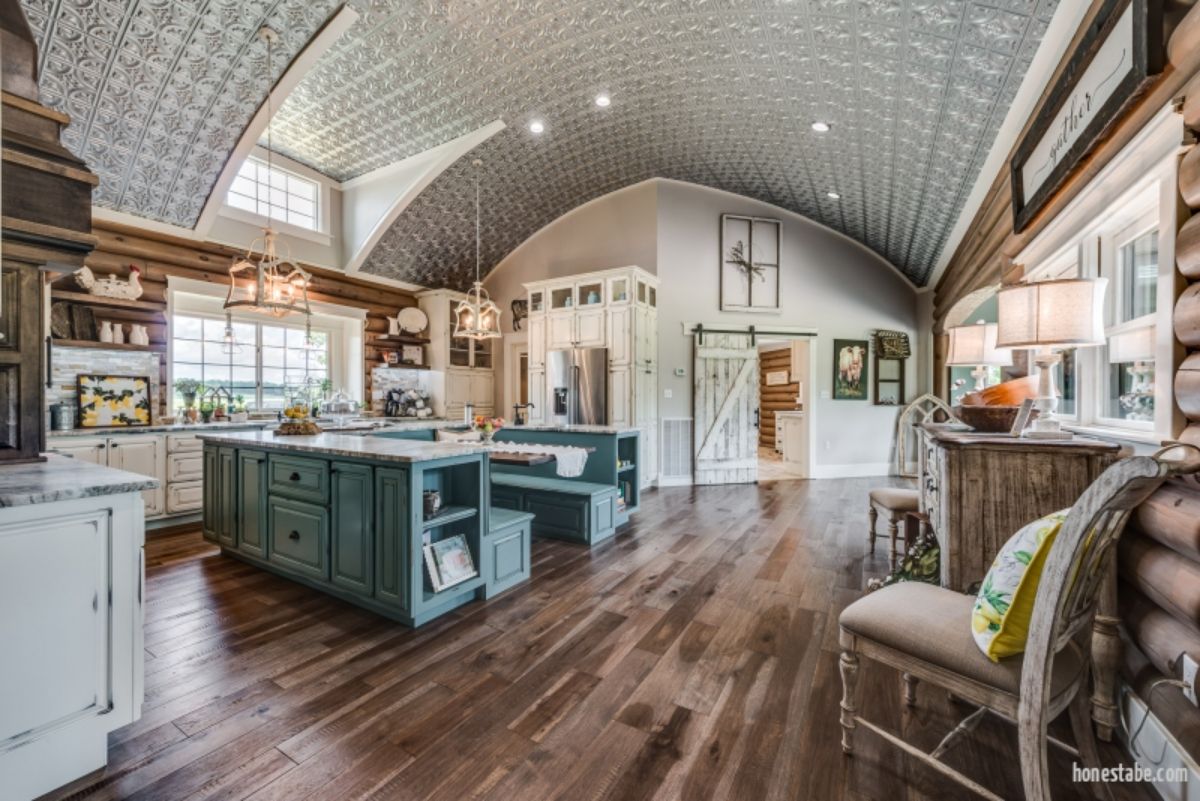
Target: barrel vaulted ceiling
{"points": [[716, 92]]}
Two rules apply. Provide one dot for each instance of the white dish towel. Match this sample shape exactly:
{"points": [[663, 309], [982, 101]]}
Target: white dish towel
{"points": [[569, 461]]}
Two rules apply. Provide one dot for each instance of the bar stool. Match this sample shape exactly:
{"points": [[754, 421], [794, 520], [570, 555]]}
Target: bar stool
{"points": [[894, 503]]}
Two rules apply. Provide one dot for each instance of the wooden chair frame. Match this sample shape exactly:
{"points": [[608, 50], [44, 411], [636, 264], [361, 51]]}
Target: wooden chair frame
{"points": [[1063, 612], [922, 410]]}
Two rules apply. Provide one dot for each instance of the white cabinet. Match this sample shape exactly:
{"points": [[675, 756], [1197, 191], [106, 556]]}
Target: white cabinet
{"points": [[185, 467], [144, 455], [620, 319], [620, 396], [537, 342], [645, 396], [537, 396], [71, 586], [482, 392], [648, 471], [87, 449], [645, 336], [460, 369], [590, 328], [560, 331], [184, 497]]}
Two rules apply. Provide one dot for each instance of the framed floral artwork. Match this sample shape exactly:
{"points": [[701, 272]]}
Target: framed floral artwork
{"points": [[108, 401]]}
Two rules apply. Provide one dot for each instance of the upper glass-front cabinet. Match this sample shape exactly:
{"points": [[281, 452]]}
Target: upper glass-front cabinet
{"points": [[537, 301], [591, 293], [562, 298], [618, 290], [646, 294]]}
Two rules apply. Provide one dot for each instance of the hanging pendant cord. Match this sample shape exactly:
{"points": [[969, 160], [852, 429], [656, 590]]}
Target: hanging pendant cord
{"points": [[477, 165], [270, 36]]}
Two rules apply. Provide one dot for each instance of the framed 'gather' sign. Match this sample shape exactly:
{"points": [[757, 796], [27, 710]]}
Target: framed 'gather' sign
{"points": [[1119, 53]]}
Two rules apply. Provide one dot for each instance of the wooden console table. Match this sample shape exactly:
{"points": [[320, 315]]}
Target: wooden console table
{"points": [[980, 489]]}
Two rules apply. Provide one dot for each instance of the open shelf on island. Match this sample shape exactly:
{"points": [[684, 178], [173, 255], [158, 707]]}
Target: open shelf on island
{"points": [[469, 585], [627, 468], [449, 514]]}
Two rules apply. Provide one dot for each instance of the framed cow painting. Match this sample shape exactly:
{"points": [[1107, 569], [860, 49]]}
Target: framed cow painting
{"points": [[851, 369]]}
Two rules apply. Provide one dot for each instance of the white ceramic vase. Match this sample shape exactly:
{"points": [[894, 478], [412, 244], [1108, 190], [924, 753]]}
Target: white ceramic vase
{"points": [[138, 335], [106, 332], [118, 334]]}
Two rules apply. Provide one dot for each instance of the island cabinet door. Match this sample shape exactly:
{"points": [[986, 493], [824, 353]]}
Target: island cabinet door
{"points": [[227, 497], [393, 534], [211, 503], [252, 502], [353, 526]]}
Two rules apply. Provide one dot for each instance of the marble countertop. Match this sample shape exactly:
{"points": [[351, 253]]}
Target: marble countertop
{"points": [[61, 478], [174, 428], [572, 429], [384, 449]]}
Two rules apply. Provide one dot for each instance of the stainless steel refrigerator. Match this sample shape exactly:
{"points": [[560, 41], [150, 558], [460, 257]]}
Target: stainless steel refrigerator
{"points": [[577, 381]]}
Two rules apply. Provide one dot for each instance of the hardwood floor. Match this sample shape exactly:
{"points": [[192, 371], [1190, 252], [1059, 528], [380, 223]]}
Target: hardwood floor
{"points": [[694, 657]]}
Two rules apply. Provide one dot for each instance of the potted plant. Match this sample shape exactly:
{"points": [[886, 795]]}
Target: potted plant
{"points": [[488, 426], [206, 411], [188, 389], [237, 410]]}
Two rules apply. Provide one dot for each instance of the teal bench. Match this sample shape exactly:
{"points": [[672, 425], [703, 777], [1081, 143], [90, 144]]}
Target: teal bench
{"points": [[505, 555], [575, 511]]}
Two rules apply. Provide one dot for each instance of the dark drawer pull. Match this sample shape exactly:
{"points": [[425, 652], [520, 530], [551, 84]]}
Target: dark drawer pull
{"points": [[295, 535], [294, 477]]}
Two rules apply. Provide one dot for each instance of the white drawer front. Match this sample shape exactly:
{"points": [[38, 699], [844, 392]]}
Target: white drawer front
{"points": [[185, 497], [179, 443], [185, 466]]}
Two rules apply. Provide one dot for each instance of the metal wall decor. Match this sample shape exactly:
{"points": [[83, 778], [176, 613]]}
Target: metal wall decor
{"points": [[722, 96], [1115, 60], [750, 257]]}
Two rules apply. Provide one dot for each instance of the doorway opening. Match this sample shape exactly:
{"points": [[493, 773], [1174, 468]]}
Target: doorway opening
{"points": [[783, 440]]}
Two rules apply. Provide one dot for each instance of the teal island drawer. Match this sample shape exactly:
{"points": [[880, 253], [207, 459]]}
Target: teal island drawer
{"points": [[300, 478], [505, 552], [299, 537]]}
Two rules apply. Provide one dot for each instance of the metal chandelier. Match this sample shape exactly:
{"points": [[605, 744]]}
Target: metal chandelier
{"points": [[477, 317]]}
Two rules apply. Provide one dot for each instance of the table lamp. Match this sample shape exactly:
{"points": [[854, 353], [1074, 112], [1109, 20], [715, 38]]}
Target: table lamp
{"points": [[1135, 346], [1049, 316], [975, 346]]}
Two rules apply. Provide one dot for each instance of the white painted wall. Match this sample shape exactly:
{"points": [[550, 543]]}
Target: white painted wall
{"points": [[671, 228], [827, 282]]}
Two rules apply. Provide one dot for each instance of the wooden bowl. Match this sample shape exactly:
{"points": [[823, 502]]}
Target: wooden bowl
{"points": [[991, 419]]}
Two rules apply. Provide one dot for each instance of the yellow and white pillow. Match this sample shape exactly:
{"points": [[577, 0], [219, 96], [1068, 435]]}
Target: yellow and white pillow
{"points": [[1004, 606]]}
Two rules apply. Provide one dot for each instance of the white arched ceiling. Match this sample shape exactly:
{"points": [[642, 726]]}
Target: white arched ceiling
{"points": [[716, 92]]}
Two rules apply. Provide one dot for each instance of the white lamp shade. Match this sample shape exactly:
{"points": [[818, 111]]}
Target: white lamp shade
{"points": [[1066, 313], [975, 345], [1132, 346]]}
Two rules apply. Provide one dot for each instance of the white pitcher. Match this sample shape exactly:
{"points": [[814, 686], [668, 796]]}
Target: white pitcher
{"points": [[138, 335], [118, 334], [106, 332]]}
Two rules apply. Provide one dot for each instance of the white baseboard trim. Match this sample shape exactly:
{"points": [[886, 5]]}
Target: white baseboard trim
{"points": [[852, 470], [1155, 742], [674, 481]]}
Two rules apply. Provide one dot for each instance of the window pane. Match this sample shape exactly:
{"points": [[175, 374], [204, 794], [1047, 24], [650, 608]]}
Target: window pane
{"points": [[1066, 379], [272, 378], [273, 335], [272, 357], [242, 202], [187, 327], [186, 370], [213, 354], [1139, 276], [302, 220], [188, 350], [295, 337], [214, 330]]}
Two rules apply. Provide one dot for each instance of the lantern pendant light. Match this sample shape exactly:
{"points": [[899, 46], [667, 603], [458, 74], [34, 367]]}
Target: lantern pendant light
{"points": [[269, 283], [477, 317]]}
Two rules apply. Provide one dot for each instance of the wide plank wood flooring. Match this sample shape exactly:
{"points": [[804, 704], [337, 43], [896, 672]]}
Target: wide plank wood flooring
{"points": [[693, 657]]}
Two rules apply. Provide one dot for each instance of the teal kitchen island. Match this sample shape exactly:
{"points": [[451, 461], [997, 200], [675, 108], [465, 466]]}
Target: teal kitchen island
{"points": [[345, 515]]}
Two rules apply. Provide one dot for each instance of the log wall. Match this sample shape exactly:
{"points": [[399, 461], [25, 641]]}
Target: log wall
{"points": [[159, 256], [778, 398]]}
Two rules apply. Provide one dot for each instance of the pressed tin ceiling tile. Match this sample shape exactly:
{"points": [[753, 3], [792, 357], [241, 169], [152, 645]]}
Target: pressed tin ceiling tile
{"points": [[717, 92]]}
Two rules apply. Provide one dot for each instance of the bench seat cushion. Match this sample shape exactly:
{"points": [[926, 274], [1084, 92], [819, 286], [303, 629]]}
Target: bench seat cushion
{"points": [[500, 518], [562, 485]]}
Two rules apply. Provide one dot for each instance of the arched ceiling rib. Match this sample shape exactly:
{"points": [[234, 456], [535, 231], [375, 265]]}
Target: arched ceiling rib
{"points": [[716, 92]]}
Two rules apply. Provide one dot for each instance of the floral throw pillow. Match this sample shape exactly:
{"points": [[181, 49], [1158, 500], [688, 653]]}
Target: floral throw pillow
{"points": [[1004, 605]]}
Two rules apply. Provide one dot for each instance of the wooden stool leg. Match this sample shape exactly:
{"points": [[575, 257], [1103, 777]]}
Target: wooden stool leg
{"points": [[873, 515], [848, 663], [893, 531]]}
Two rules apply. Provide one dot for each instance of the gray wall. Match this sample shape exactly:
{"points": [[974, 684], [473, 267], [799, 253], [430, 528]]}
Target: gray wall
{"points": [[827, 282]]}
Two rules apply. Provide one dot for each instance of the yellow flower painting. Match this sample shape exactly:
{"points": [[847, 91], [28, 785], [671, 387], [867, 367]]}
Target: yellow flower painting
{"points": [[107, 401]]}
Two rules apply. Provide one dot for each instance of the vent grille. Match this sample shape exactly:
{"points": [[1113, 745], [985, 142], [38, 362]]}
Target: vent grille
{"points": [[676, 450]]}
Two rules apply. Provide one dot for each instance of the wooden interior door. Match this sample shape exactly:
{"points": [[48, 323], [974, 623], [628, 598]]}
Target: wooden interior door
{"points": [[725, 416]]}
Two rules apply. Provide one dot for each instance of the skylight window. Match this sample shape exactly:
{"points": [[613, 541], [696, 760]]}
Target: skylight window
{"points": [[287, 197]]}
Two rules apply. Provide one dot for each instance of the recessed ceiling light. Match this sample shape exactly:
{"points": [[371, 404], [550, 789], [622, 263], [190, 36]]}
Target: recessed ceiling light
{"points": [[833, 195], [603, 100], [821, 127], [537, 126]]}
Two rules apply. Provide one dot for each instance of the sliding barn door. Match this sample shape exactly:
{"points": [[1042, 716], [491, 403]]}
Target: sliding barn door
{"points": [[725, 400]]}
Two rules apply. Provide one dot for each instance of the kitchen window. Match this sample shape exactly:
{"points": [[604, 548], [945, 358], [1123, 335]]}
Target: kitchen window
{"points": [[270, 363], [284, 195]]}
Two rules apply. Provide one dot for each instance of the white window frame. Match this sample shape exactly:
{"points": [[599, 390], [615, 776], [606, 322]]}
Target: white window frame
{"points": [[322, 234], [1136, 191], [343, 324]]}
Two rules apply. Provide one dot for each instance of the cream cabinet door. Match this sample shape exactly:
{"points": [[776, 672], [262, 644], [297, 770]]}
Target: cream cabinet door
{"points": [[620, 400], [589, 328], [620, 330], [561, 331], [648, 469], [537, 342], [145, 456], [537, 396], [183, 497], [87, 449], [646, 395], [645, 338], [481, 392]]}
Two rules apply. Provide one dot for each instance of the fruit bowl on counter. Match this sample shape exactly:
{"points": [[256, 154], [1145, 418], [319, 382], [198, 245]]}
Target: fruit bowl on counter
{"points": [[297, 422]]}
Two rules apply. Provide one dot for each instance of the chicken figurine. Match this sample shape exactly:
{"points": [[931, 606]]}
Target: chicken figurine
{"points": [[110, 286]]}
